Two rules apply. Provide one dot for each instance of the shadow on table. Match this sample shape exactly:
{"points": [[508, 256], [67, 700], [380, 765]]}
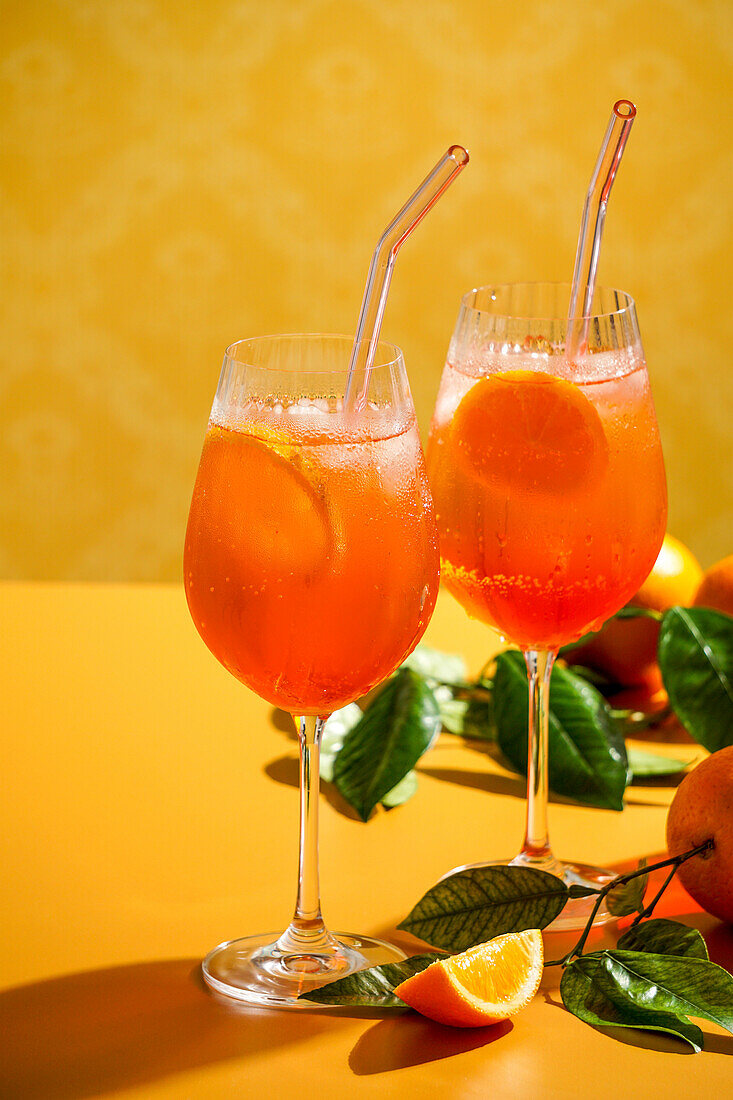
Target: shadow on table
{"points": [[286, 770], [509, 785], [412, 1041], [282, 721], [97, 1032]]}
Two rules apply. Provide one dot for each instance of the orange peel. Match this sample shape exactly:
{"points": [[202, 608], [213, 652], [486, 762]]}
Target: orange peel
{"points": [[484, 985]]}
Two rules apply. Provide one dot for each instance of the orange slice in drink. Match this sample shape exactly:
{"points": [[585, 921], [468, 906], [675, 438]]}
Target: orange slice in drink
{"points": [[484, 985], [530, 430], [273, 521]]}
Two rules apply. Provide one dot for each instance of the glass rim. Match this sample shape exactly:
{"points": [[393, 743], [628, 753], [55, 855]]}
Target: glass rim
{"points": [[393, 357], [628, 308]]}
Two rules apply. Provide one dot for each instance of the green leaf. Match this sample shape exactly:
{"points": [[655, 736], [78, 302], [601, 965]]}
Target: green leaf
{"points": [[684, 986], [587, 756], [664, 937], [582, 992], [644, 763], [372, 988], [633, 722], [471, 717], [575, 890], [452, 713], [395, 730], [479, 724], [628, 897], [474, 905], [334, 732], [631, 612], [404, 790], [431, 664], [603, 683], [696, 660]]}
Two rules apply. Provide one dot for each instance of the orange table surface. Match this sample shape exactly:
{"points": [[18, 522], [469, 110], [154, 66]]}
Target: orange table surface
{"points": [[150, 811]]}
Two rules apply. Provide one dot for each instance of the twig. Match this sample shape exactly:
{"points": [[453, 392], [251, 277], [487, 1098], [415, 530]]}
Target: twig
{"points": [[673, 861]]}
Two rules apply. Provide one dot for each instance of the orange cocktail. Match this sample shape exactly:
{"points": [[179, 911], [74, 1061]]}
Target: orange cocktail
{"points": [[550, 495], [550, 492], [311, 570], [311, 558]]}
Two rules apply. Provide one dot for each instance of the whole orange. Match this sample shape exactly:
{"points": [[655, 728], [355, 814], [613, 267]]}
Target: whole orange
{"points": [[716, 587], [702, 808], [625, 650]]}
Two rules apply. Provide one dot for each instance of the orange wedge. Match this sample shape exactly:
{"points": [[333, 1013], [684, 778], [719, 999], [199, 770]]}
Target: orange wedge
{"points": [[528, 430], [272, 521], [484, 985]]}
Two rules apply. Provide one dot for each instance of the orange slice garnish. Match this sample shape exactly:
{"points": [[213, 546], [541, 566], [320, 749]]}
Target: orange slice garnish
{"points": [[271, 520], [528, 430], [484, 985]]}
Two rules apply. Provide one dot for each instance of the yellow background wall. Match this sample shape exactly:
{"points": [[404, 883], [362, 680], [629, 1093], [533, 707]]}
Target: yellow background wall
{"points": [[177, 175]]}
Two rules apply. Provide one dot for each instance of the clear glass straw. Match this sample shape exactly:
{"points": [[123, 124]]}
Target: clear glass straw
{"points": [[591, 226], [380, 270]]}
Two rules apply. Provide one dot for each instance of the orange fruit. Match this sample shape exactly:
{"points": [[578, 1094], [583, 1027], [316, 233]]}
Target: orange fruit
{"points": [[674, 578], [716, 587], [528, 430], [625, 650], [702, 808], [484, 985], [272, 520]]}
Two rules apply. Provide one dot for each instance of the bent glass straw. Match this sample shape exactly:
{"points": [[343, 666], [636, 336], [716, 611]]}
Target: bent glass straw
{"points": [[380, 270], [591, 225]]}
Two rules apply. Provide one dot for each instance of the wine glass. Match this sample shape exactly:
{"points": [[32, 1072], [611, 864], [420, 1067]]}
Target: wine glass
{"points": [[550, 494], [311, 571]]}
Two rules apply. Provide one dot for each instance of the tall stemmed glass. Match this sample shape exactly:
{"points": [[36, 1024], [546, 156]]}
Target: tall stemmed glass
{"points": [[549, 489], [311, 571]]}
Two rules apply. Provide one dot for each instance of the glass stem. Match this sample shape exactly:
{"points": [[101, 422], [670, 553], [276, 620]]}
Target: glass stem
{"points": [[536, 848], [307, 932]]}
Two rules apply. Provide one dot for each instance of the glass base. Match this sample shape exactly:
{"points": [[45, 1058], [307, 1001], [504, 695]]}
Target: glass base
{"points": [[576, 911], [260, 971]]}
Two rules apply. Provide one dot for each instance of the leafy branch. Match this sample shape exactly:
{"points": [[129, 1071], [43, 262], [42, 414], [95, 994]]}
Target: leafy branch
{"points": [[656, 978], [659, 973], [615, 889], [370, 755]]}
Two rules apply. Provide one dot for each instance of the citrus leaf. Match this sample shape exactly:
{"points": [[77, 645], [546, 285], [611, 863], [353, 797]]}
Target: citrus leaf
{"points": [[372, 988], [664, 937], [643, 763], [453, 713], [471, 718], [696, 660], [404, 790], [479, 724], [474, 905], [628, 897], [632, 612], [575, 890], [684, 986], [395, 730], [336, 728], [582, 992], [332, 738], [587, 756], [432, 664]]}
